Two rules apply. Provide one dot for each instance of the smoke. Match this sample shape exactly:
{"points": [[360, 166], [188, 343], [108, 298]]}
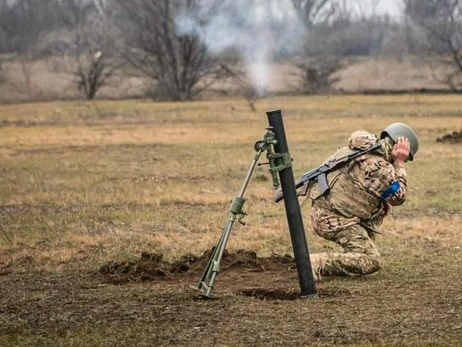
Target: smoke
{"points": [[260, 30]]}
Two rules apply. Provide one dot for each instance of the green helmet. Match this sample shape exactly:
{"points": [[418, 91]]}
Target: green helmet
{"points": [[396, 130]]}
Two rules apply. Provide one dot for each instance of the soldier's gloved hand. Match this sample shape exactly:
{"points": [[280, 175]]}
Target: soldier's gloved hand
{"points": [[400, 151]]}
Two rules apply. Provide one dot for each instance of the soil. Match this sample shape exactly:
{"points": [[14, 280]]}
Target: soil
{"points": [[454, 137], [151, 266], [257, 302]]}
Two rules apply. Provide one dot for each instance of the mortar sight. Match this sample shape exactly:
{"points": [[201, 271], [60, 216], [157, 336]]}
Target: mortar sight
{"points": [[268, 140]]}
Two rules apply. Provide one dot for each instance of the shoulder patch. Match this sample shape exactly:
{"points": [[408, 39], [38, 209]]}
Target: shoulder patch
{"points": [[390, 191]]}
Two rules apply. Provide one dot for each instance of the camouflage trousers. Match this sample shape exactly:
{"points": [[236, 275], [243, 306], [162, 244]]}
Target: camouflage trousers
{"points": [[360, 254]]}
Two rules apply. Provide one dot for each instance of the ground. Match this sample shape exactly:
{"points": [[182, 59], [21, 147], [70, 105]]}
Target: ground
{"points": [[109, 209], [254, 305]]}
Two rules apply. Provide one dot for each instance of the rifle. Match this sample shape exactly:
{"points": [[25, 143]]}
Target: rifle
{"points": [[319, 174]]}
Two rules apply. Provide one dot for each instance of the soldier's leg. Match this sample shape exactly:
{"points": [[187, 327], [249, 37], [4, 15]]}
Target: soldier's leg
{"points": [[360, 257]]}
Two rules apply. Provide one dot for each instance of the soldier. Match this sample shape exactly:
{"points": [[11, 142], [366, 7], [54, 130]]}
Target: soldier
{"points": [[359, 197]]}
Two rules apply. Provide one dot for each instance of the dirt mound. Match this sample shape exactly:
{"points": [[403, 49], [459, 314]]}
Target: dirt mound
{"points": [[151, 266], [454, 137]]}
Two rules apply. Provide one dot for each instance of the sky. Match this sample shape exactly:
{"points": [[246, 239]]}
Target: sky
{"points": [[391, 7]]}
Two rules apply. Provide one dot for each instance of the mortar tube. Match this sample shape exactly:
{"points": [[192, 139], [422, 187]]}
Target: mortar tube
{"points": [[293, 211]]}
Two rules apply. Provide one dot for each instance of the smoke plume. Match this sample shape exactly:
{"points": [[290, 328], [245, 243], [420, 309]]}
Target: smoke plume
{"points": [[260, 30]]}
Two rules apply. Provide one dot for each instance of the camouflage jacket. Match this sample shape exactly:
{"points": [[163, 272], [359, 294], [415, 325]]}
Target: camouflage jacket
{"points": [[359, 188]]}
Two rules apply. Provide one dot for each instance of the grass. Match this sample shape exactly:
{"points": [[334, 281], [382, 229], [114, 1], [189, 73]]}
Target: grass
{"points": [[87, 183], [101, 172]]}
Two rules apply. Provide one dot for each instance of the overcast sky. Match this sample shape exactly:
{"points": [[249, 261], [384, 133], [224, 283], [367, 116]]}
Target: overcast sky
{"points": [[389, 6]]}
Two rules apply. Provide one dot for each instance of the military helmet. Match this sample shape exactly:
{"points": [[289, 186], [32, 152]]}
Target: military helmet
{"points": [[396, 130]]}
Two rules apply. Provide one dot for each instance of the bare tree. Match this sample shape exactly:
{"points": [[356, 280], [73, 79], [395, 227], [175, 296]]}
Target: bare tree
{"points": [[178, 64], [88, 24], [312, 12], [93, 73], [2, 72], [4, 12], [439, 22], [336, 35], [240, 79], [22, 22], [317, 64], [319, 75]]}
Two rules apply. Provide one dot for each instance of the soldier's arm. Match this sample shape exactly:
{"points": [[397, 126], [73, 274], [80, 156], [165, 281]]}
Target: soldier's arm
{"points": [[385, 180], [398, 187], [396, 194]]}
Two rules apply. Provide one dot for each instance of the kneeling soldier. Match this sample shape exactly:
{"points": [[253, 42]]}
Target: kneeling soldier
{"points": [[360, 195]]}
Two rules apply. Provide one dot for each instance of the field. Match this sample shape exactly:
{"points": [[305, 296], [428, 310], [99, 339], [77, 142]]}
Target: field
{"points": [[92, 194]]}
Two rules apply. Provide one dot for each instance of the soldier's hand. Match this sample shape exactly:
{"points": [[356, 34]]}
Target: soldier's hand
{"points": [[400, 151]]}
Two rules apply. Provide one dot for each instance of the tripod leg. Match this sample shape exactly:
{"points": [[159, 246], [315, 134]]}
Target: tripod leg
{"points": [[213, 266], [216, 261], [207, 272]]}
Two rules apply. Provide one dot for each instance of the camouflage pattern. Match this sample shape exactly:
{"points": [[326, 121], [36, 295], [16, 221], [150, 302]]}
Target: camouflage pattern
{"points": [[360, 257], [361, 140], [351, 213]]}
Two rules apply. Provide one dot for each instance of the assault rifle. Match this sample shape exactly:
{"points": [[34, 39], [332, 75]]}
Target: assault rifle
{"points": [[319, 174]]}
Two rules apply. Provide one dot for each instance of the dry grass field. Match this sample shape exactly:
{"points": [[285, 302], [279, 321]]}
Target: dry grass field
{"points": [[84, 185]]}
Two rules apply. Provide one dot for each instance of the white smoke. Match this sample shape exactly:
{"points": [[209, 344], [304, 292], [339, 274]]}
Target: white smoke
{"points": [[260, 30]]}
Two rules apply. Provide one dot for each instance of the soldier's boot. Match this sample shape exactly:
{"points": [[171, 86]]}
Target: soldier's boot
{"points": [[318, 261]]}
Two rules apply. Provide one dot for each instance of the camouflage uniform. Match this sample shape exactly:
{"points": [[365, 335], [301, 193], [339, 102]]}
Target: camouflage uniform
{"points": [[353, 209]]}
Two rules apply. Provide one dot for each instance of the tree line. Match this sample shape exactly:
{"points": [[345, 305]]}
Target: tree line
{"points": [[100, 37]]}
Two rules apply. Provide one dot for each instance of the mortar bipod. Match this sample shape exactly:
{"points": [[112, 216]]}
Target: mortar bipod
{"points": [[236, 212]]}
